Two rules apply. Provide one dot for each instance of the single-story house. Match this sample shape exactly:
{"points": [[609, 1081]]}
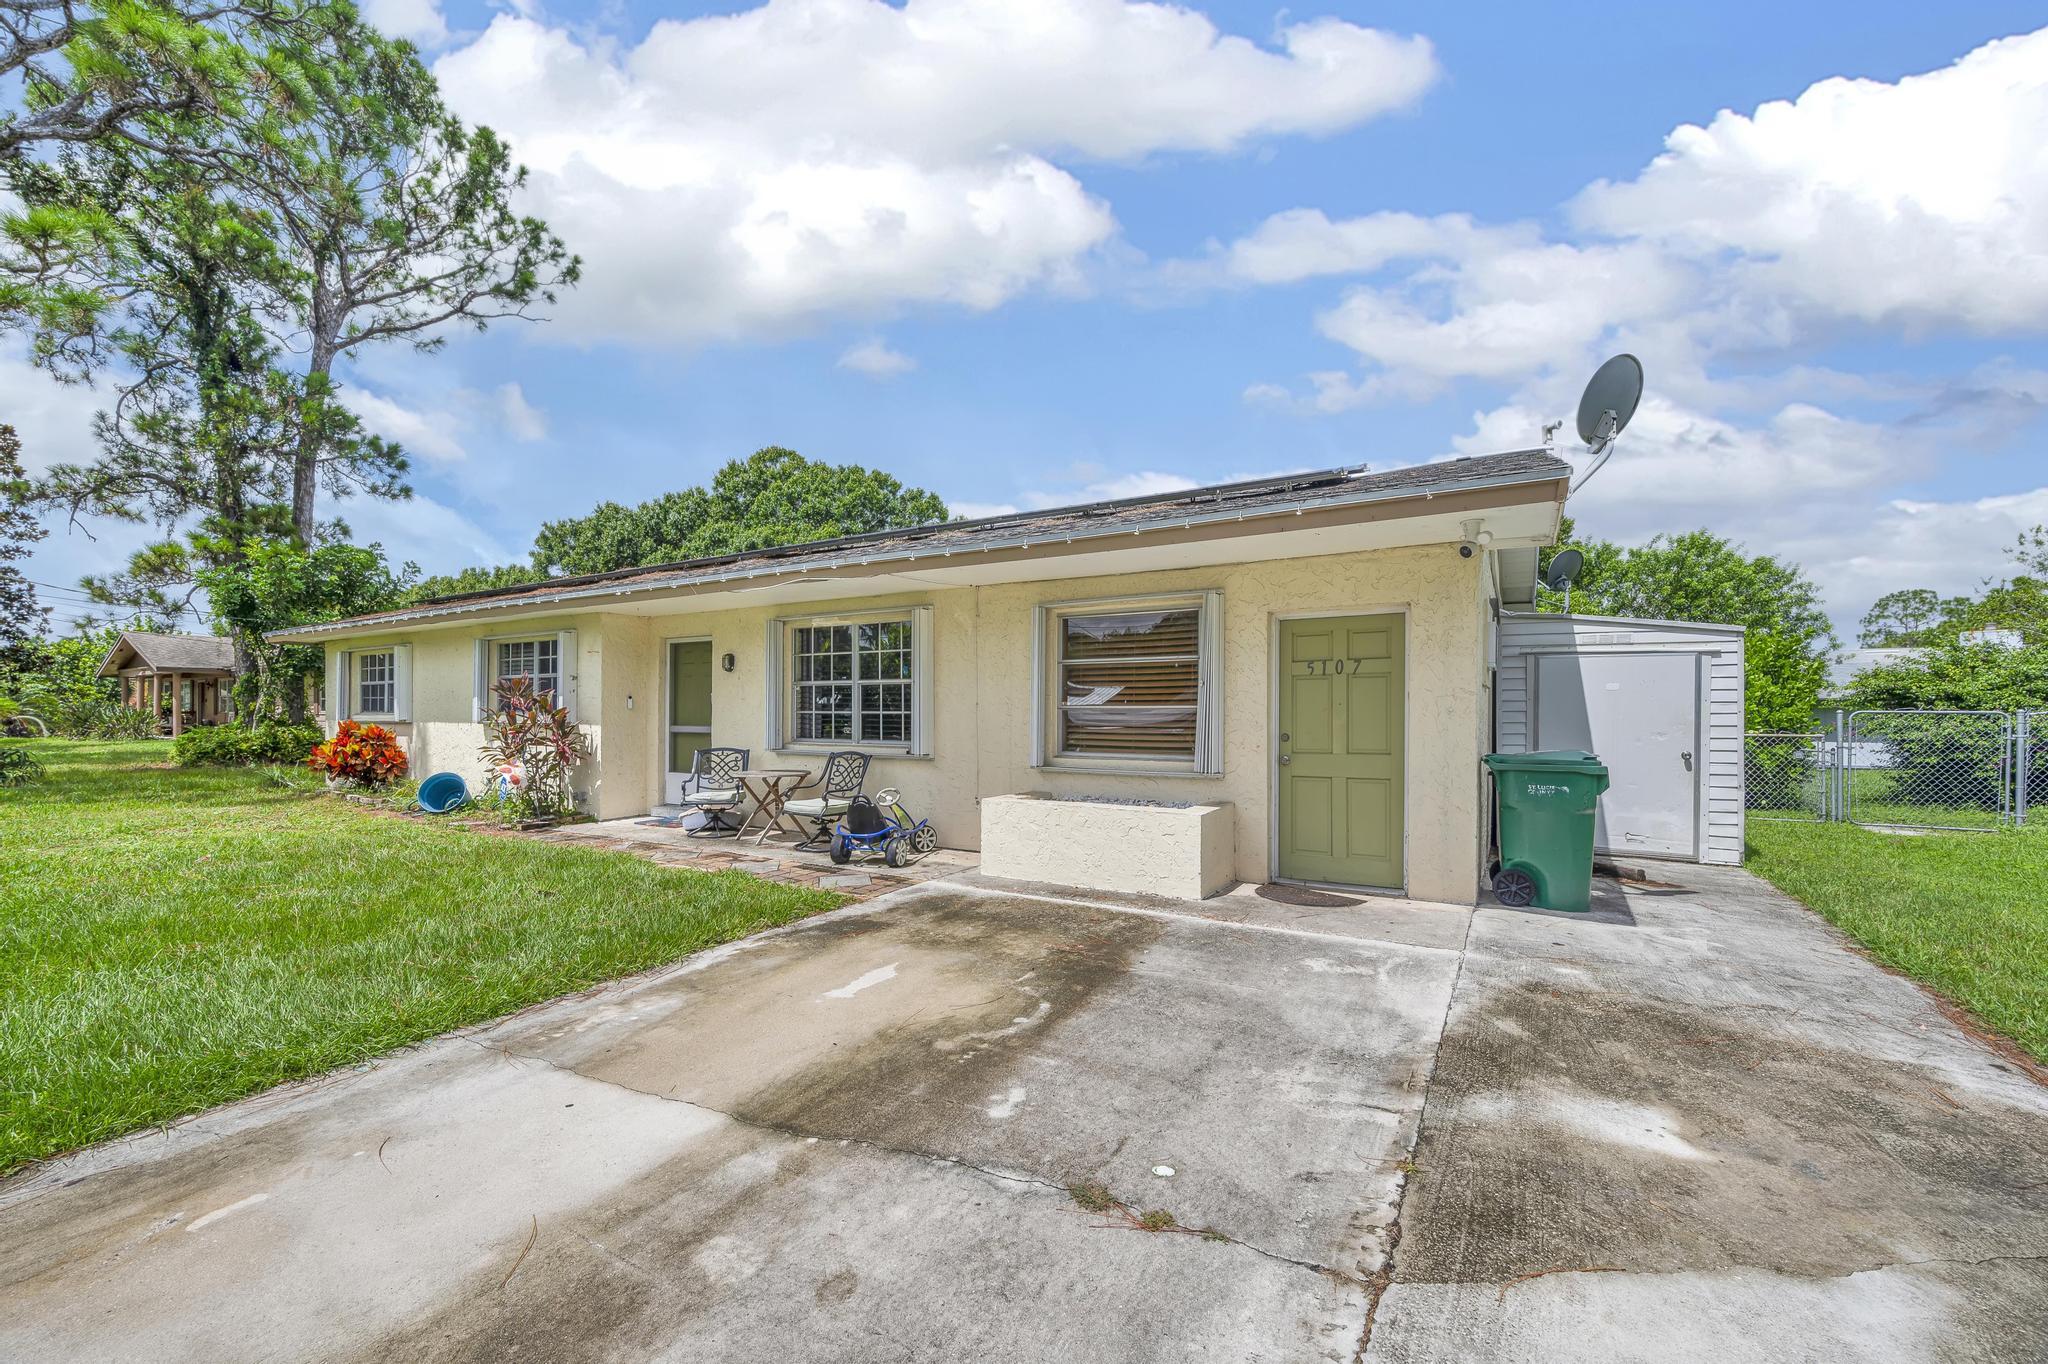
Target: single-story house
{"points": [[1307, 660], [186, 680]]}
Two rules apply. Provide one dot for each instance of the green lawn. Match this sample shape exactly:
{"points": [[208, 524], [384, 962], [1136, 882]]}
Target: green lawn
{"points": [[173, 938], [1965, 913]]}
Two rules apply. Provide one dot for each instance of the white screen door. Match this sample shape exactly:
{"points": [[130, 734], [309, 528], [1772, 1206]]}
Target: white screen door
{"points": [[1640, 714], [689, 711]]}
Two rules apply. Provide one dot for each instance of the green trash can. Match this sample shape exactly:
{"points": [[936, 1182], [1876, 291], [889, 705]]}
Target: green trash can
{"points": [[1546, 805]]}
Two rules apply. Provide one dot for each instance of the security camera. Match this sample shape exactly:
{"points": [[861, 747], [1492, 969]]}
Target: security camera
{"points": [[1465, 551]]}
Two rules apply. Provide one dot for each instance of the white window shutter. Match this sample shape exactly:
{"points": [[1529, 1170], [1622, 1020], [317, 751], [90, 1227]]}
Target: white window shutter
{"points": [[401, 681], [772, 683], [921, 718], [337, 685], [481, 700], [1040, 619], [565, 652], [1209, 705]]}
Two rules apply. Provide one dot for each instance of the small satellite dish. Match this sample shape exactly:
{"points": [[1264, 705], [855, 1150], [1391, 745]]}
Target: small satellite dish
{"points": [[1563, 570], [1608, 403]]}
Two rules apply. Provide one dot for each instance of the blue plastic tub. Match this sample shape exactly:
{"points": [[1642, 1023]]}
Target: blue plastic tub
{"points": [[442, 792]]}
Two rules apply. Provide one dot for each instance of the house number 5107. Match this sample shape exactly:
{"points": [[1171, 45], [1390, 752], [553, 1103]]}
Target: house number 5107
{"points": [[1320, 666]]}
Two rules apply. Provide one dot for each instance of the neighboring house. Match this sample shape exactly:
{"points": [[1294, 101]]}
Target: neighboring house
{"points": [[1845, 668], [185, 680], [1311, 655]]}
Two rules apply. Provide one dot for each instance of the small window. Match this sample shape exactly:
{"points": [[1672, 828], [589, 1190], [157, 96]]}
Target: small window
{"points": [[376, 683], [852, 683], [1129, 683], [539, 659]]}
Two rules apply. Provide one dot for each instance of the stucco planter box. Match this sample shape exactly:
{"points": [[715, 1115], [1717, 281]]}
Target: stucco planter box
{"points": [[1186, 851]]}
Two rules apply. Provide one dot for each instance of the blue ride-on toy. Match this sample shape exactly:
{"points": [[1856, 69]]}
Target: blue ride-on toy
{"points": [[881, 825]]}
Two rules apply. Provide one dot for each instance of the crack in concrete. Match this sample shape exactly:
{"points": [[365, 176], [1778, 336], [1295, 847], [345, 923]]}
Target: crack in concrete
{"points": [[1579, 1271], [1383, 1278], [1009, 1176]]}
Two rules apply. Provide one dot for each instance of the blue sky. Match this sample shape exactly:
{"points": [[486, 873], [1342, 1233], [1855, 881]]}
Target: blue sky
{"points": [[1032, 254]]}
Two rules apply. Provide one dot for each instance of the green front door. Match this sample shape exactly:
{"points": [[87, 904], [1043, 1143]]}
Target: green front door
{"points": [[1342, 731], [689, 711]]}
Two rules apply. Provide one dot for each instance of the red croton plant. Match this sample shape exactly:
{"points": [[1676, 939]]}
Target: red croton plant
{"points": [[367, 754]]}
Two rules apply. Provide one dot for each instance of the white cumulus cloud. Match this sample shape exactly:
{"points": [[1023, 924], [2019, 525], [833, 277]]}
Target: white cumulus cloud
{"points": [[419, 21], [751, 174], [1916, 207], [876, 358]]}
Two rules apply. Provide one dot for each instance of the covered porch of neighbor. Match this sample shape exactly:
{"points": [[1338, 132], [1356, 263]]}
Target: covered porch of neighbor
{"points": [[183, 680]]}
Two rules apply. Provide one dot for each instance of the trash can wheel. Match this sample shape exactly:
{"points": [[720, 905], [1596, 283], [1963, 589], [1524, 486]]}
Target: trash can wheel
{"points": [[1513, 886]]}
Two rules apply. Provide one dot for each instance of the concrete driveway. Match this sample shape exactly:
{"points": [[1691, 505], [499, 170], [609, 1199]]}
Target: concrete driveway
{"points": [[853, 1139], [1690, 1126]]}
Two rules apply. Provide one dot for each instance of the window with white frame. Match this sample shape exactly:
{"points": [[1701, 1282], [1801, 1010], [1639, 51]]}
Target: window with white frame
{"points": [[539, 659], [376, 682], [852, 682], [1132, 682]]}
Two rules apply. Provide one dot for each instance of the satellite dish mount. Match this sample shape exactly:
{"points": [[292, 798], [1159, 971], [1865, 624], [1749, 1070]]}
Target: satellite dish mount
{"points": [[1605, 408], [1564, 567]]}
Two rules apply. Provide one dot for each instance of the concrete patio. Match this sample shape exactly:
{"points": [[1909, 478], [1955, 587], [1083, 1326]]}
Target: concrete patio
{"points": [[666, 841]]}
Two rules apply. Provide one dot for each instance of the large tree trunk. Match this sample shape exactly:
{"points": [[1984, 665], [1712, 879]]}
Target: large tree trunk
{"points": [[319, 385], [248, 663]]}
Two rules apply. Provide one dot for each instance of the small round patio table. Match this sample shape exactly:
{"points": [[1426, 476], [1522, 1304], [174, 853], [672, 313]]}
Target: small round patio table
{"points": [[770, 788]]}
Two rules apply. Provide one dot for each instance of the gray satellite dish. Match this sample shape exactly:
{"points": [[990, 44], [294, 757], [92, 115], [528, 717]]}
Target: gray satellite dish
{"points": [[1563, 569], [1609, 401]]}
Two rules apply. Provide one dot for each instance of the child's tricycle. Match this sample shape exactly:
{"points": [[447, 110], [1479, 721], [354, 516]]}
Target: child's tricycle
{"points": [[883, 825]]}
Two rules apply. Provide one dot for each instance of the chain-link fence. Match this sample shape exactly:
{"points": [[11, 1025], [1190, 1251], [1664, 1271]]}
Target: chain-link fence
{"points": [[1788, 776], [1928, 769], [1911, 769]]}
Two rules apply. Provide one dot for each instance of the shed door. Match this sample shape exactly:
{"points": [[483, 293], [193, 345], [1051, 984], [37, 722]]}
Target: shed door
{"points": [[1640, 714], [1342, 730]]}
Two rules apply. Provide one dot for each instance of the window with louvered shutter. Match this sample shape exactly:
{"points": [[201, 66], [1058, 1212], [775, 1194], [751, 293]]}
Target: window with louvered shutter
{"points": [[1129, 683]]}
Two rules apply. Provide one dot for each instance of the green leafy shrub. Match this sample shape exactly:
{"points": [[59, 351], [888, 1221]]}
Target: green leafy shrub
{"points": [[18, 766], [530, 747], [234, 746]]}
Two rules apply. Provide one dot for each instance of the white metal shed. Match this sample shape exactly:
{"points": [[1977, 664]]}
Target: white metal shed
{"points": [[1660, 702]]}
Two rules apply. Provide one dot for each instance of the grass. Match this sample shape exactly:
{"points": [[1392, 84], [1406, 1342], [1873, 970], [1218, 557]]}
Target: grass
{"points": [[174, 938], [1964, 913]]}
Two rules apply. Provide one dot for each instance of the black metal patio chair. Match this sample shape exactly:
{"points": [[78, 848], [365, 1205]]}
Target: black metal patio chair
{"points": [[715, 790], [837, 784]]}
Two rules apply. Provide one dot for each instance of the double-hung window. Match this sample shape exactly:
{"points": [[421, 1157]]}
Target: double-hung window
{"points": [[852, 682], [1131, 683], [539, 659], [376, 682]]}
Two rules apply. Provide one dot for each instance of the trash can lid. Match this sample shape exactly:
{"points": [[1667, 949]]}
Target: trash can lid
{"points": [[1575, 759]]}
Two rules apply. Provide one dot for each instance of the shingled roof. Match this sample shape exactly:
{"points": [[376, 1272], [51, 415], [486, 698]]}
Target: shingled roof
{"points": [[174, 653], [1124, 516]]}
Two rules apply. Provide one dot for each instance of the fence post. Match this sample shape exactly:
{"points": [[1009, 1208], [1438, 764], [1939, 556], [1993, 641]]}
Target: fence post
{"points": [[2022, 769], [1842, 764]]}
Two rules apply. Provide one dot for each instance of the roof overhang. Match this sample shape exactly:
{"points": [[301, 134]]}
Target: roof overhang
{"points": [[1512, 511]]}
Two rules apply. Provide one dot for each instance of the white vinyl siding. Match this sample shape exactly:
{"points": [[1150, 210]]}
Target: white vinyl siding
{"points": [[1523, 634]]}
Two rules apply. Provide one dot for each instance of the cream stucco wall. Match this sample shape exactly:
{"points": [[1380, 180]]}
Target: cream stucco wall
{"points": [[981, 697]]}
